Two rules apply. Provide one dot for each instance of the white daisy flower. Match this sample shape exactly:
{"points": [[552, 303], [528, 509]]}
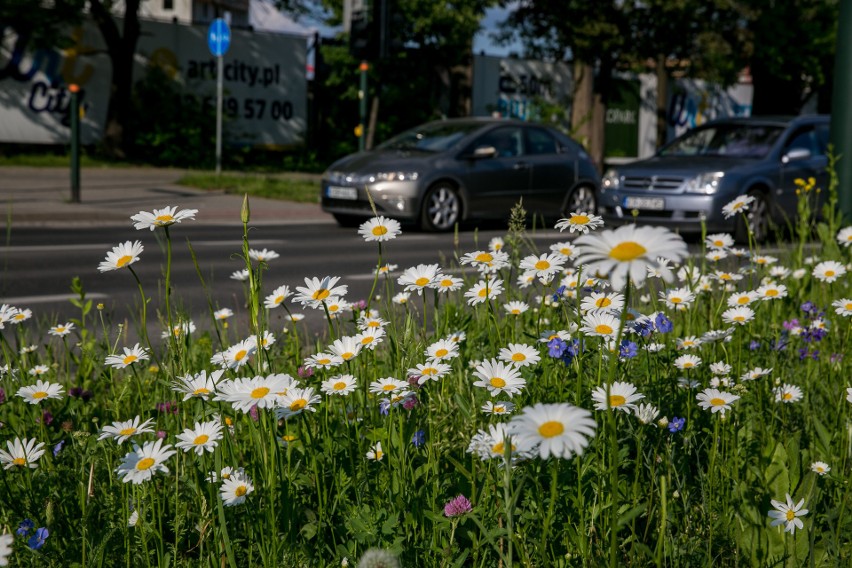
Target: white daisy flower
{"points": [[788, 393], [235, 356], [685, 362], [738, 205], [418, 278], [498, 407], [401, 298], [602, 301], [240, 275], [61, 330], [296, 401], [200, 385], [370, 337], [688, 342], [235, 489], [486, 262], [560, 430], [244, 393], [820, 468], [347, 348], [429, 371], [442, 350], [21, 453], [484, 290], [39, 370], [621, 396], [543, 265], [130, 356], [828, 271], [499, 377], [123, 431], [520, 354], [719, 241], [740, 316], [388, 386], [223, 314], [121, 256], [161, 217], [6, 541], [375, 453], [264, 255], [316, 291], [180, 330], [720, 368], [379, 229], [646, 413], [716, 400], [677, 298], [565, 248], [742, 299], [844, 236], [788, 514], [40, 391], [628, 251], [491, 444], [204, 437], [516, 307], [445, 283], [601, 324], [843, 307], [772, 292], [342, 385], [265, 342], [580, 222], [323, 361], [496, 244], [142, 463]]}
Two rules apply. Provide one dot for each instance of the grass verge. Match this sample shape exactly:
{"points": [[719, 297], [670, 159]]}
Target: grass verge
{"points": [[301, 188]]}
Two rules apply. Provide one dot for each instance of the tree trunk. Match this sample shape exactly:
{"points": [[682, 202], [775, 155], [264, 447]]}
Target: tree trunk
{"points": [[662, 99], [582, 103], [121, 48]]}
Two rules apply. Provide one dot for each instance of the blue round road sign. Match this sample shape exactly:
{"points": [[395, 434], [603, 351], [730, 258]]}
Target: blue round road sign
{"points": [[219, 37]]}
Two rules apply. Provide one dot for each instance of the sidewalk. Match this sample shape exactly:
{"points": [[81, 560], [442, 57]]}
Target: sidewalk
{"points": [[40, 197]]}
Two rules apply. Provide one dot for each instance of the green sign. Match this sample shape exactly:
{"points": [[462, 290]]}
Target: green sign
{"points": [[621, 124]]}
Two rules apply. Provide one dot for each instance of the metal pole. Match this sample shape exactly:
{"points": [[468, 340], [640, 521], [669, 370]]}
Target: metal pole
{"points": [[219, 73], [75, 142], [841, 111], [362, 95]]}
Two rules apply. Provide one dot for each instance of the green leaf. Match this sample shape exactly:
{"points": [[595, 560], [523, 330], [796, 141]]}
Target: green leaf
{"points": [[776, 476]]}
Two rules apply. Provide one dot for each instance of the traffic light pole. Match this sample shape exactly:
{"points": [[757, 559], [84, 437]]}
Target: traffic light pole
{"points": [[841, 111], [362, 96]]}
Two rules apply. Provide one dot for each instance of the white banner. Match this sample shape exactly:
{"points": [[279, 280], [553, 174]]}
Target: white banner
{"points": [[265, 87]]}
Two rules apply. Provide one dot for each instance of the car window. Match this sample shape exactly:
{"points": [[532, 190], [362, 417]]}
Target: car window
{"points": [[802, 139], [540, 141], [432, 137], [822, 133], [508, 140], [733, 140]]}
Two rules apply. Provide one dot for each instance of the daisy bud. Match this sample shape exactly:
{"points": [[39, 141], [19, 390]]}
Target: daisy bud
{"points": [[663, 422], [245, 210]]}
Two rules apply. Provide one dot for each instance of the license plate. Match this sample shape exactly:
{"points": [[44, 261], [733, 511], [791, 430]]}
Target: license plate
{"points": [[654, 203], [338, 192]]}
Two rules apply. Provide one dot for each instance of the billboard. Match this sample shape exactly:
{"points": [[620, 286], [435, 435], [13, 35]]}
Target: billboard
{"points": [[265, 87]]}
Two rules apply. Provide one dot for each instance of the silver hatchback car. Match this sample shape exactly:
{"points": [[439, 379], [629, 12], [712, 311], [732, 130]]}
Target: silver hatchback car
{"points": [[445, 172], [695, 175]]}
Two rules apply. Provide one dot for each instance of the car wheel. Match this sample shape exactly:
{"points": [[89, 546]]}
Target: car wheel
{"points": [[442, 208], [758, 218], [348, 220], [581, 199]]}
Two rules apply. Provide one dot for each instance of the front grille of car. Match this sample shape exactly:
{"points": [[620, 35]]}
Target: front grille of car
{"points": [[346, 203], [662, 183]]}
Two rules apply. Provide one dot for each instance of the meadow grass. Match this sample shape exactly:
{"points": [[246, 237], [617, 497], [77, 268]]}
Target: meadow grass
{"points": [[302, 188], [669, 417]]}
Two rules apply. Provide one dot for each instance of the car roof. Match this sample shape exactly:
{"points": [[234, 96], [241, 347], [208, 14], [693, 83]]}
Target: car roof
{"points": [[771, 120]]}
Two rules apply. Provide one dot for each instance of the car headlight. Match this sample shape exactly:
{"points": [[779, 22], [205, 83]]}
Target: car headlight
{"points": [[396, 176], [610, 180], [706, 184]]}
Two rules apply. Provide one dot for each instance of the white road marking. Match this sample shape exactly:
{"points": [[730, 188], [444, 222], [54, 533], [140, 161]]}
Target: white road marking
{"points": [[108, 246], [23, 301]]}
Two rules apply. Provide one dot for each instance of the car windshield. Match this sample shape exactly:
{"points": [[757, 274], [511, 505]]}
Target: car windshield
{"points": [[432, 137], [733, 140]]}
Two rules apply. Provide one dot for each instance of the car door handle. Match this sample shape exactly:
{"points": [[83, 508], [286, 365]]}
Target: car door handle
{"points": [[521, 166]]}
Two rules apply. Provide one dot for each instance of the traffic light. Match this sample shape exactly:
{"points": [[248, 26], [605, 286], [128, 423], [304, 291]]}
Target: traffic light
{"points": [[363, 39]]}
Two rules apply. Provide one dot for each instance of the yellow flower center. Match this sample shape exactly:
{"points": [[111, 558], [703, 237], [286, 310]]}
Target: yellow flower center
{"points": [[516, 312], [829, 273], [542, 265], [366, 340], [497, 382], [500, 447], [121, 262], [278, 299], [298, 405], [627, 251], [323, 361], [616, 400], [688, 364], [787, 396], [737, 205], [379, 454], [484, 257], [19, 461], [388, 388], [339, 385], [202, 439], [144, 463], [162, 219], [482, 293], [717, 401], [848, 306], [790, 514], [441, 353], [676, 300], [551, 428], [201, 390], [429, 371], [743, 300], [321, 294], [379, 230], [348, 355], [772, 292], [259, 392], [446, 282], [725, 277], [603, 302], [19, 317], [373, 324], [129, 359], [718, 243], [240, 491], [518, 357], [579, 219], [422, 281], [566, 251], [739, 318], [127, 431], [39, 395], [240, 354], [603, 329]]}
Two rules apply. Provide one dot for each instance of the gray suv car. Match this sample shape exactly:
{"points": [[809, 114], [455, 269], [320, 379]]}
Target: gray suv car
{"points": [[448, 171], [695, 175]]}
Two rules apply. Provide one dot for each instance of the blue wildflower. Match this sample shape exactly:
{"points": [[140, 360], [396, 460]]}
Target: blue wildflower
{"points": [[58, 448], [418, 438], [754, 345], [676, 424], [37, 540], [25, 527], [556, 347], [628, 349], [557, 296], [663, 324]]}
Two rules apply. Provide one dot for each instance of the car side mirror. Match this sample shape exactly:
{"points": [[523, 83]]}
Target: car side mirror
{"points": [[796, 154], [484, 152]]}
